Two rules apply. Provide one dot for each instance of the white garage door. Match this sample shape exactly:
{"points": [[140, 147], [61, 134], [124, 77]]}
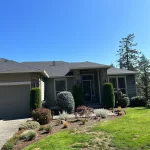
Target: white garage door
{"points": [[14, 101]]}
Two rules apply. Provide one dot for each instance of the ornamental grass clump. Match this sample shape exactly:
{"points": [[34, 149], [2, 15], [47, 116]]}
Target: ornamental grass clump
{"points": [[101, 113], [63, 115]]}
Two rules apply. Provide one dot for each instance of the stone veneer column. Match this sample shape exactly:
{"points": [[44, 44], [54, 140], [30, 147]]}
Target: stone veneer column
{"points": [[77, 80]]}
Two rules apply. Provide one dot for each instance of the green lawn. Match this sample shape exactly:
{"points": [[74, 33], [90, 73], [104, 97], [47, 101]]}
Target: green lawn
{"points": [[131, 132]]}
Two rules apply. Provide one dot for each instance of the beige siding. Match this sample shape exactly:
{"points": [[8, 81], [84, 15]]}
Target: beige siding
{"points": [[14, 101], [19, 77], [50, 91], [42, 87]]}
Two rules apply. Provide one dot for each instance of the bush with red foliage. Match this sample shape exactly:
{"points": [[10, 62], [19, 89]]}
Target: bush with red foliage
{"points": [[42, 115], [84, 111]]}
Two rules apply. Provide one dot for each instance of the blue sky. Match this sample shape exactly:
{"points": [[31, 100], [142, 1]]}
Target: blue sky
{"points": [[71, 30]]}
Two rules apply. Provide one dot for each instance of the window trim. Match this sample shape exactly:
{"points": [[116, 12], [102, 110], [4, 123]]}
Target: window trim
{"points": [[59, 79], [125, 79], [90, 74]]}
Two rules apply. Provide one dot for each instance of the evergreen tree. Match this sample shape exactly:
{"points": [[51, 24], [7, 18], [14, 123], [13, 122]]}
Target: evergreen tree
{"points": [[143, 79], [128, 57]]}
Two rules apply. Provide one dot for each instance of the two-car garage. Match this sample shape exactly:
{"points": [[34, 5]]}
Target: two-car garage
{"points": [[14, 100]]}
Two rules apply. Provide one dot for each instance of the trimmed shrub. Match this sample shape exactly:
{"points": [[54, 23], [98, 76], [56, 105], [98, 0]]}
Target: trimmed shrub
{"points": [[84, 111], [65, 101], [108, 95], [138, 101], [42, 115], [78, 95], [148, 104], [35, 98], [121, 99], [29, 125], [28, 135], [102, 113]]}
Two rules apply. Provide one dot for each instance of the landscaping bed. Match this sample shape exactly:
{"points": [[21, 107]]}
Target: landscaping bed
{"points": [[73, 124]]}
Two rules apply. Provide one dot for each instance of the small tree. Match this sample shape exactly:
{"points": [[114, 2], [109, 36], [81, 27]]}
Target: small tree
{"points": [[108, 95], [35, 98], [78, 95]]}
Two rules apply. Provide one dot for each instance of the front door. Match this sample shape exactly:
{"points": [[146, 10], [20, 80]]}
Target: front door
{"points": [[87, 90]]}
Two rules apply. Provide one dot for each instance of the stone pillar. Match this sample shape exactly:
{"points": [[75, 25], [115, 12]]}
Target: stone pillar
{"points": [[77, 80]]}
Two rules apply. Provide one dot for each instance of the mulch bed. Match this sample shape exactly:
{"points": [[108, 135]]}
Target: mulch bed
{"points": [[73, 123]]}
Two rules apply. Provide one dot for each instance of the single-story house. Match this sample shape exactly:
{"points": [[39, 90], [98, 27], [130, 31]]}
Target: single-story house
{"points": [[52, 77]]}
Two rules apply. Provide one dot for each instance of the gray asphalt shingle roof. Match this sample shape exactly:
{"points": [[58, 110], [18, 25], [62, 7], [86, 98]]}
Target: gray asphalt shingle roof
{"points": [[61, 68], [117, 71], [54, 68], [9, 66]]}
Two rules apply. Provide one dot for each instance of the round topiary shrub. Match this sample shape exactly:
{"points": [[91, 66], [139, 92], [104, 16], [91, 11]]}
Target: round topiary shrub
{"points": [[35, 98], [108, 96], [42, 115], [65, 101]]}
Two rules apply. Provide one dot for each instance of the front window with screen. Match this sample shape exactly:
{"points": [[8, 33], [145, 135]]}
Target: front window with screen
{"points": [[60, 85], [118, 83]]}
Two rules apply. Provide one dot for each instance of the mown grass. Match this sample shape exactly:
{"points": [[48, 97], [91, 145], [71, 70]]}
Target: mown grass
{"points": [[130, 132]]}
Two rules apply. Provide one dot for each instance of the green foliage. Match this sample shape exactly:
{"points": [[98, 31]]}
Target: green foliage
{"points": [[78, 95], [29, 125], [42, 115], [28, 135], [35, 98], [128, 56], [108, 95], [129, 132], [143, 80], [138, 101], [48, 129], [121, 99], [9, 145], [148, 104], [65, 101]]}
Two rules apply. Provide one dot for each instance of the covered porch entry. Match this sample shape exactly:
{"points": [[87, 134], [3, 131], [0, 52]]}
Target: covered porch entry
{"points": [[91, 81]]}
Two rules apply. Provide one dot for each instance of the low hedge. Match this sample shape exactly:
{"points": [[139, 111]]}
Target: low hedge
{"points": [[138, 101]]}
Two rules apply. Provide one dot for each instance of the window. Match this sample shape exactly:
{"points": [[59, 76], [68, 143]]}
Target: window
{"points": [[118, 83], [90, 78], [114, 82], [60, 85]]}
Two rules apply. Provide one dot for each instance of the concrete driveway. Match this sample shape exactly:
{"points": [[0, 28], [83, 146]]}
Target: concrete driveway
{"points": [[8, 128]]}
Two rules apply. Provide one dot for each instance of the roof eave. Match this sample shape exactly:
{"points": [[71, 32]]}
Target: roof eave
{"points": [[84, 68], [117, 74]]}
